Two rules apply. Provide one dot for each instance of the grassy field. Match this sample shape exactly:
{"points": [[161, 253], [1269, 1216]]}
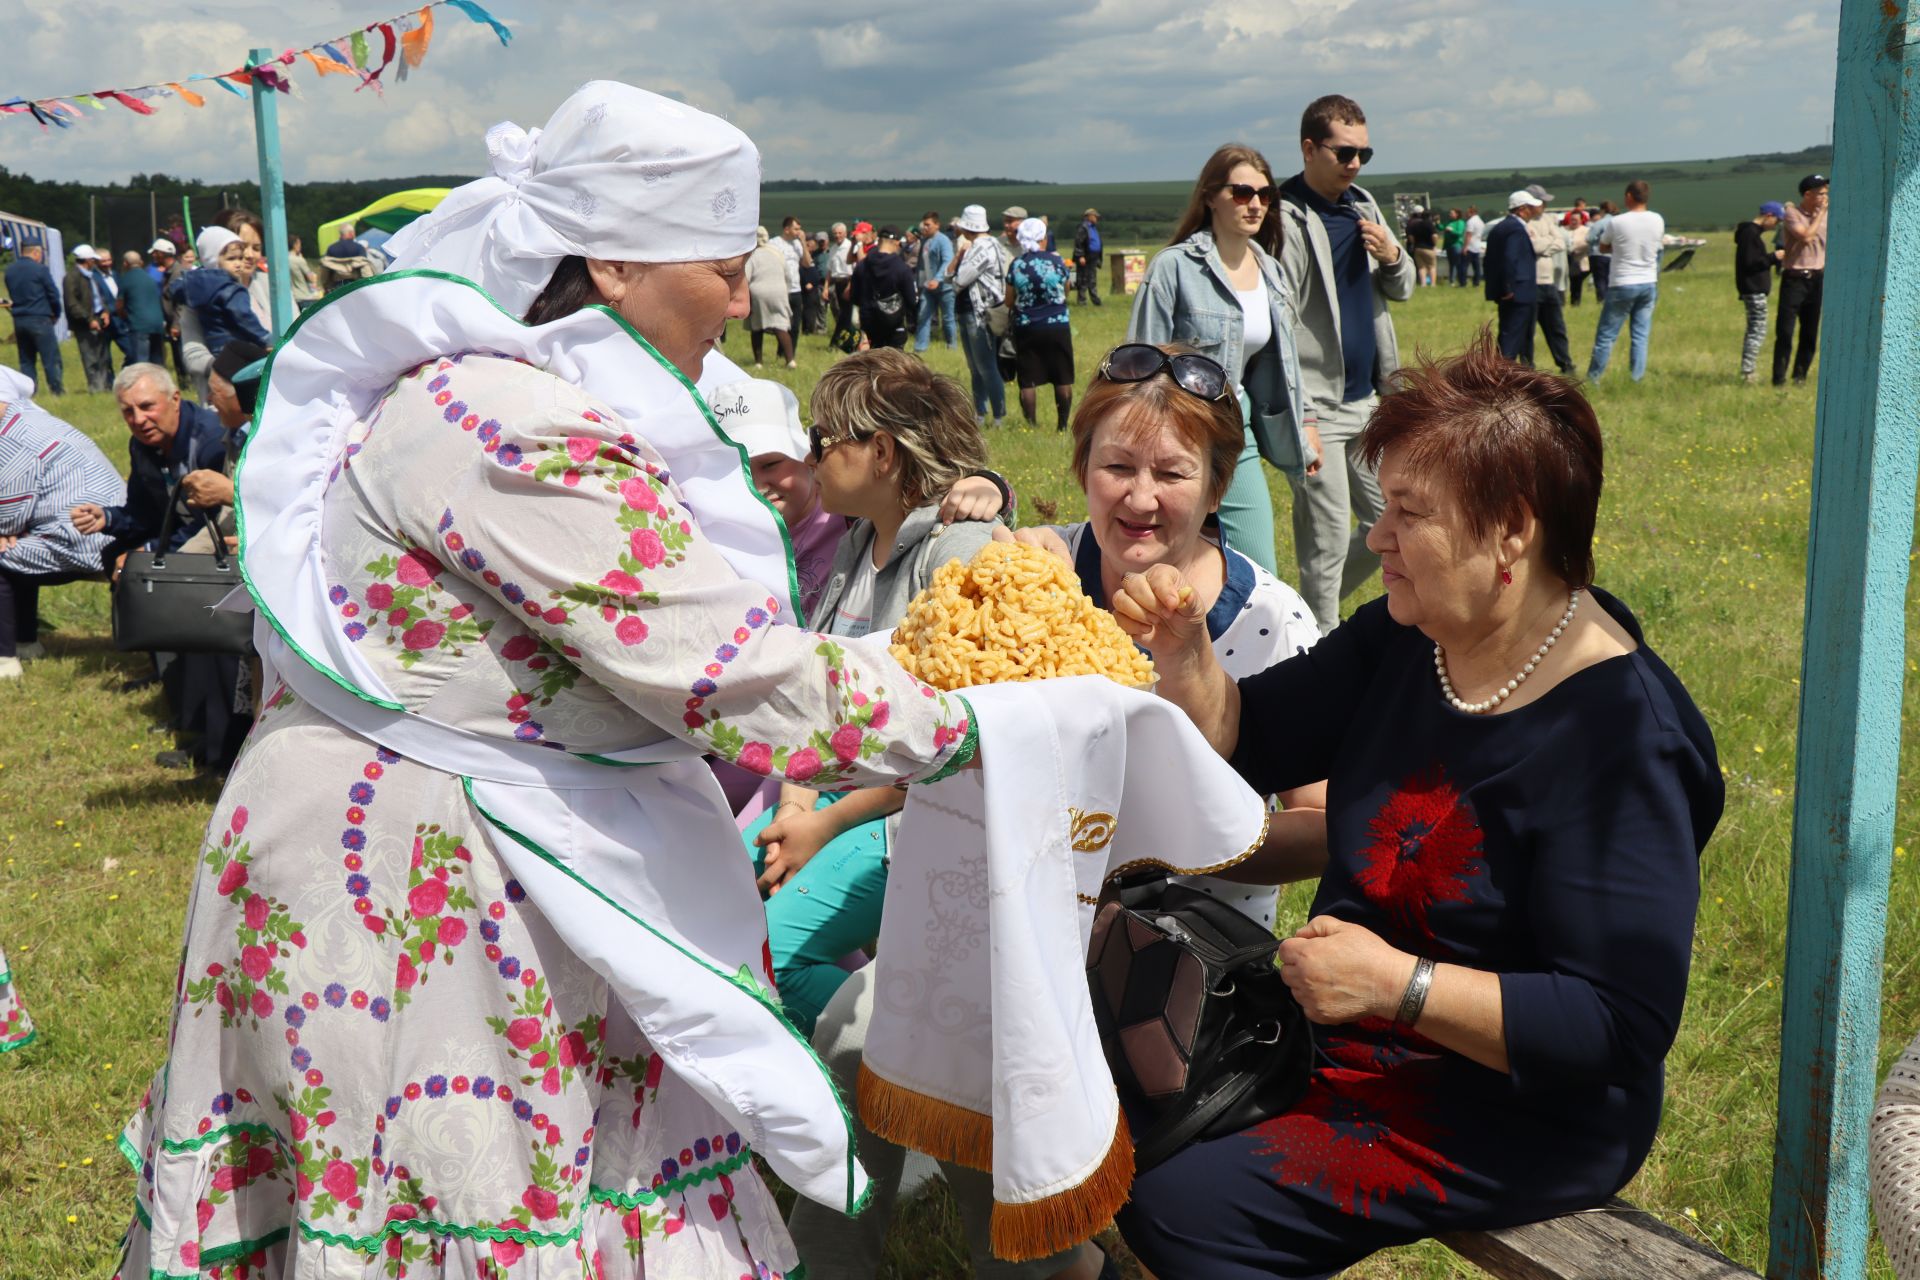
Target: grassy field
{"points": [[1703, 531], [1691, 193]]}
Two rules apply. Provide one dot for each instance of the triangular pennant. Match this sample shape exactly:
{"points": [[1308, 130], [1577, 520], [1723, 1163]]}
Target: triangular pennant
{"points": [[478, 14], [328, 66], [358, 42], [189, 96], [130, 102]]}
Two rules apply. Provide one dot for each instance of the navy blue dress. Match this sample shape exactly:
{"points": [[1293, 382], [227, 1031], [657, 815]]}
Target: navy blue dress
{"points": [[1557, 845]]}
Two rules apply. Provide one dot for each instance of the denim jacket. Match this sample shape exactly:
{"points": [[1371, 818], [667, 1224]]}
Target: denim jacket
{"points": [[1188, 298]]}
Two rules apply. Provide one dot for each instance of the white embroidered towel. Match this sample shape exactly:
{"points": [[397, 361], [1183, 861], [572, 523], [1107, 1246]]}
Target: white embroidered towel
{"points": [[983, 1048]]}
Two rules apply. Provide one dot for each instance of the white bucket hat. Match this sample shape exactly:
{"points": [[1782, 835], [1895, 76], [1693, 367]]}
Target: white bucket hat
{"points": [[973, 218]]}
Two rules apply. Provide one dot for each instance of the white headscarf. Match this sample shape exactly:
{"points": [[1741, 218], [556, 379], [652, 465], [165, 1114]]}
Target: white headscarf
{"points": [[211, 242], [618, 173], [1032, 235]]}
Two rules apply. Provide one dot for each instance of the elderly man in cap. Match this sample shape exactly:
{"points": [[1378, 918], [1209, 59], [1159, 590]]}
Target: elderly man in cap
{"points": [[1512, 282], [1802, 274], [34, 299], [1087, 255], [1549, 263], [1010, 219], [90, 315]]}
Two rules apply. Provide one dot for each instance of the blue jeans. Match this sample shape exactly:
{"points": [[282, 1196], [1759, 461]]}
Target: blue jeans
{"points": [[37, 339], [983, 363], [1630, 304], [1246, 508], [943, 301]]}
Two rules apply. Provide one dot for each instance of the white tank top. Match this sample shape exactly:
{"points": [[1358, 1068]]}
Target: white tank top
{"points": [[1257, 330]]}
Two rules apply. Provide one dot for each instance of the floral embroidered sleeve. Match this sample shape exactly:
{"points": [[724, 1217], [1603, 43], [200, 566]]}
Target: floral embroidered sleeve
{"points": [[573, 523]]}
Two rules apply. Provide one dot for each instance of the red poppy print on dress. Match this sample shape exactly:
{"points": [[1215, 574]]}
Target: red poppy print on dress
{"points": [[1426, 845], [1360, 1138]]}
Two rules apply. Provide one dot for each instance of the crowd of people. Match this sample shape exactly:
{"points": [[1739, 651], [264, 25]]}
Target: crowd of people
{"points": [[553, 1040]]}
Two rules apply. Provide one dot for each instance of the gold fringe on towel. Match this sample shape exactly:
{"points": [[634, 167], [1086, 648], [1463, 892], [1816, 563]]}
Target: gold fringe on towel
{"points": [[1023, 1232], [940, 1129]]}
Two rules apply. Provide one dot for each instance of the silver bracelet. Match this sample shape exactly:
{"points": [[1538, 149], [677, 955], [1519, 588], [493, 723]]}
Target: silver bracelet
{"points": [[1415, 998]]}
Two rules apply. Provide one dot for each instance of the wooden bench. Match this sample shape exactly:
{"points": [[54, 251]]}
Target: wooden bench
{"points": [[1614, 1242]]}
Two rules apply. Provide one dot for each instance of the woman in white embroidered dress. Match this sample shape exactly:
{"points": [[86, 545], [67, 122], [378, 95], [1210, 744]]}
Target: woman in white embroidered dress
{"points": [[459, 994]]}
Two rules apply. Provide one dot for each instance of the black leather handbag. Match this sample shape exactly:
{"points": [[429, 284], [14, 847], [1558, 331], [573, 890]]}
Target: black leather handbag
{"points": [[1199, 1029], [164, 600]]}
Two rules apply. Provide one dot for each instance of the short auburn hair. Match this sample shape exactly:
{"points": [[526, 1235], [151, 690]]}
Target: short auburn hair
{"points": [[1212, 427], [1502, 437]]}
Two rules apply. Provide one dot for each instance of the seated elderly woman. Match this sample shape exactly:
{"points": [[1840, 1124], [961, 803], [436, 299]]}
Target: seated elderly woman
{"points": [[1519, 790], [1155, 443]]}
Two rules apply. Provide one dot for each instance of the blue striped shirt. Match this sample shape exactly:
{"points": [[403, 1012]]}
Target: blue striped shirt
{"points": [[46, 469]]}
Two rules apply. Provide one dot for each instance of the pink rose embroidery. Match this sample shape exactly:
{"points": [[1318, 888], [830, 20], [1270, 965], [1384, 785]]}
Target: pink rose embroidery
{"points": [[339, 1180], [803, 764], [573, 1049], [453, 931], [717, 1205], [418, 568], [630, 630], [297, 1124], [647, 548], [507, 1252], [550, 1082], [426, 898], [846, 743], [423, 634], [254, 962], [203, 1214], [405, 974], [239, 819], [880, 716], [520, 648], [380, 596], [639, 495], [256, 911], [543, 1202], [756, 757], [522, 1032], [232, 877], [262, 1004], [620, 582], [581, 449]]}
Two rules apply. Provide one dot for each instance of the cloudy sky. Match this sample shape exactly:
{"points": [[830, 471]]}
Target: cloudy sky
{"points": [[1074, 91]]}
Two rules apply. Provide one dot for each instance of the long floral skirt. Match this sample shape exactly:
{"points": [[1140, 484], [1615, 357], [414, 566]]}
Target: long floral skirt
{"points": [[384, 1061]]}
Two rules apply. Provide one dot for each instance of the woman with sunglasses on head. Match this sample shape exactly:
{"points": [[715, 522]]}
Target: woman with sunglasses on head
{"points": [[890, 438], [1219, 289]]}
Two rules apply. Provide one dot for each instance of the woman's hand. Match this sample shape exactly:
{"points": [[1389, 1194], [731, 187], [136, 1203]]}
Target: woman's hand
{"points": [[1163, 613], [791, 840], [1319, 450], [1342, 972], [1039, 536]]}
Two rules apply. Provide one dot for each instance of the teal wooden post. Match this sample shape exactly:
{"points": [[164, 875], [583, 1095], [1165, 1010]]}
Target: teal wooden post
{"points": [[1866, 455], [273, 195]]}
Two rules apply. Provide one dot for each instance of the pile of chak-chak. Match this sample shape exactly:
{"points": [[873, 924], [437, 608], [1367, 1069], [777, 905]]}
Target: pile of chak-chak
{"points": [[1014, 612]]}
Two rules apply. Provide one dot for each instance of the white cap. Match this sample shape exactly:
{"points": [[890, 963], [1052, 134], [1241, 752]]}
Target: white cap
{"points": [[1419, 209], [762, 417], [973, 218], [164, 245], [15, 387], [85, 253], [1519, 198]]}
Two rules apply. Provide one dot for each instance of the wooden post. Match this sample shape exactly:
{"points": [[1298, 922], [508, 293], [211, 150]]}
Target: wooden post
{"points": [[273, 195], [1866, 455]]}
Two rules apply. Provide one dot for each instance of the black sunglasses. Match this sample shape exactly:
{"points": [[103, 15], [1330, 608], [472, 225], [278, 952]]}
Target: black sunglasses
{"points": [[820, 442], [1345, 155], [1246, 192], [1196, 375]]}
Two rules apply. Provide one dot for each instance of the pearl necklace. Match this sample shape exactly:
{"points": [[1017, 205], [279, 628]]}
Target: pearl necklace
{"points": [[1506, 691]]}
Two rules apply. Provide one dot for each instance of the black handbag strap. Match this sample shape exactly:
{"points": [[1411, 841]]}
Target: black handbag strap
{"points": [[170, 521], [1182, 1126]]}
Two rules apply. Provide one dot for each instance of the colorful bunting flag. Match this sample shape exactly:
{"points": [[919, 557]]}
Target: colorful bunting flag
{"points": [[404, 37]]}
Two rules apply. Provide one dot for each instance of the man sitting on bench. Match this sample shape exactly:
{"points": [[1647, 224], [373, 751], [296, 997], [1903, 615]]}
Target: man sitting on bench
{"points": [[46, 468]]}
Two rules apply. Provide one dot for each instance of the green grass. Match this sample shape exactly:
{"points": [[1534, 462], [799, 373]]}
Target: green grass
{"points": [[1703, 531]]}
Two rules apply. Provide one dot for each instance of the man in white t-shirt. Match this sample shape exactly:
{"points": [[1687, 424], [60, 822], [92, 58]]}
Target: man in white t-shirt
{"points": [[1476, 243], [1634, 238]]}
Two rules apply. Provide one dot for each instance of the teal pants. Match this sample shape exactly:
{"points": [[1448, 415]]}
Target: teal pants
{"points": [[831, 907], [1246, 508]]}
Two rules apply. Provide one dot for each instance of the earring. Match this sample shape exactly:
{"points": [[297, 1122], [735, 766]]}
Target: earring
{"points": [[1506, 576]]}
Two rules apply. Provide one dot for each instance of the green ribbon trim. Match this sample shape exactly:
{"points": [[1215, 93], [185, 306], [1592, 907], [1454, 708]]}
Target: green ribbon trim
{"points": [[266, 378], [6, 977], [402, 1226], [212, 1136], [672, 1186], [21, 1044], [131, 1156], [758, 997], [964, 753]]}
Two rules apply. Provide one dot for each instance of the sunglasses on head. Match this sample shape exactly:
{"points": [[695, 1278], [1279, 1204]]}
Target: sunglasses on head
{"points": [[1196, 375], [1345, 155], [1246, 193]]}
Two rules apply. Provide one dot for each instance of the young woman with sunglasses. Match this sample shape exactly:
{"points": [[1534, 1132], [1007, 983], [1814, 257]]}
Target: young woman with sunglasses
{"points": [[1219, 289], [890, 438]]}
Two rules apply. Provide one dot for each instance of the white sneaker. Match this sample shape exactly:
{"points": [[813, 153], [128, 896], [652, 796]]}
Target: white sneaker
{"points": [[9, 668], [31, 650]]}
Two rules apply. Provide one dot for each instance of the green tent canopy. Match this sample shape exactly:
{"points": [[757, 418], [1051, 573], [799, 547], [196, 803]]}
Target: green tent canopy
{"points": [[388, 214]]}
